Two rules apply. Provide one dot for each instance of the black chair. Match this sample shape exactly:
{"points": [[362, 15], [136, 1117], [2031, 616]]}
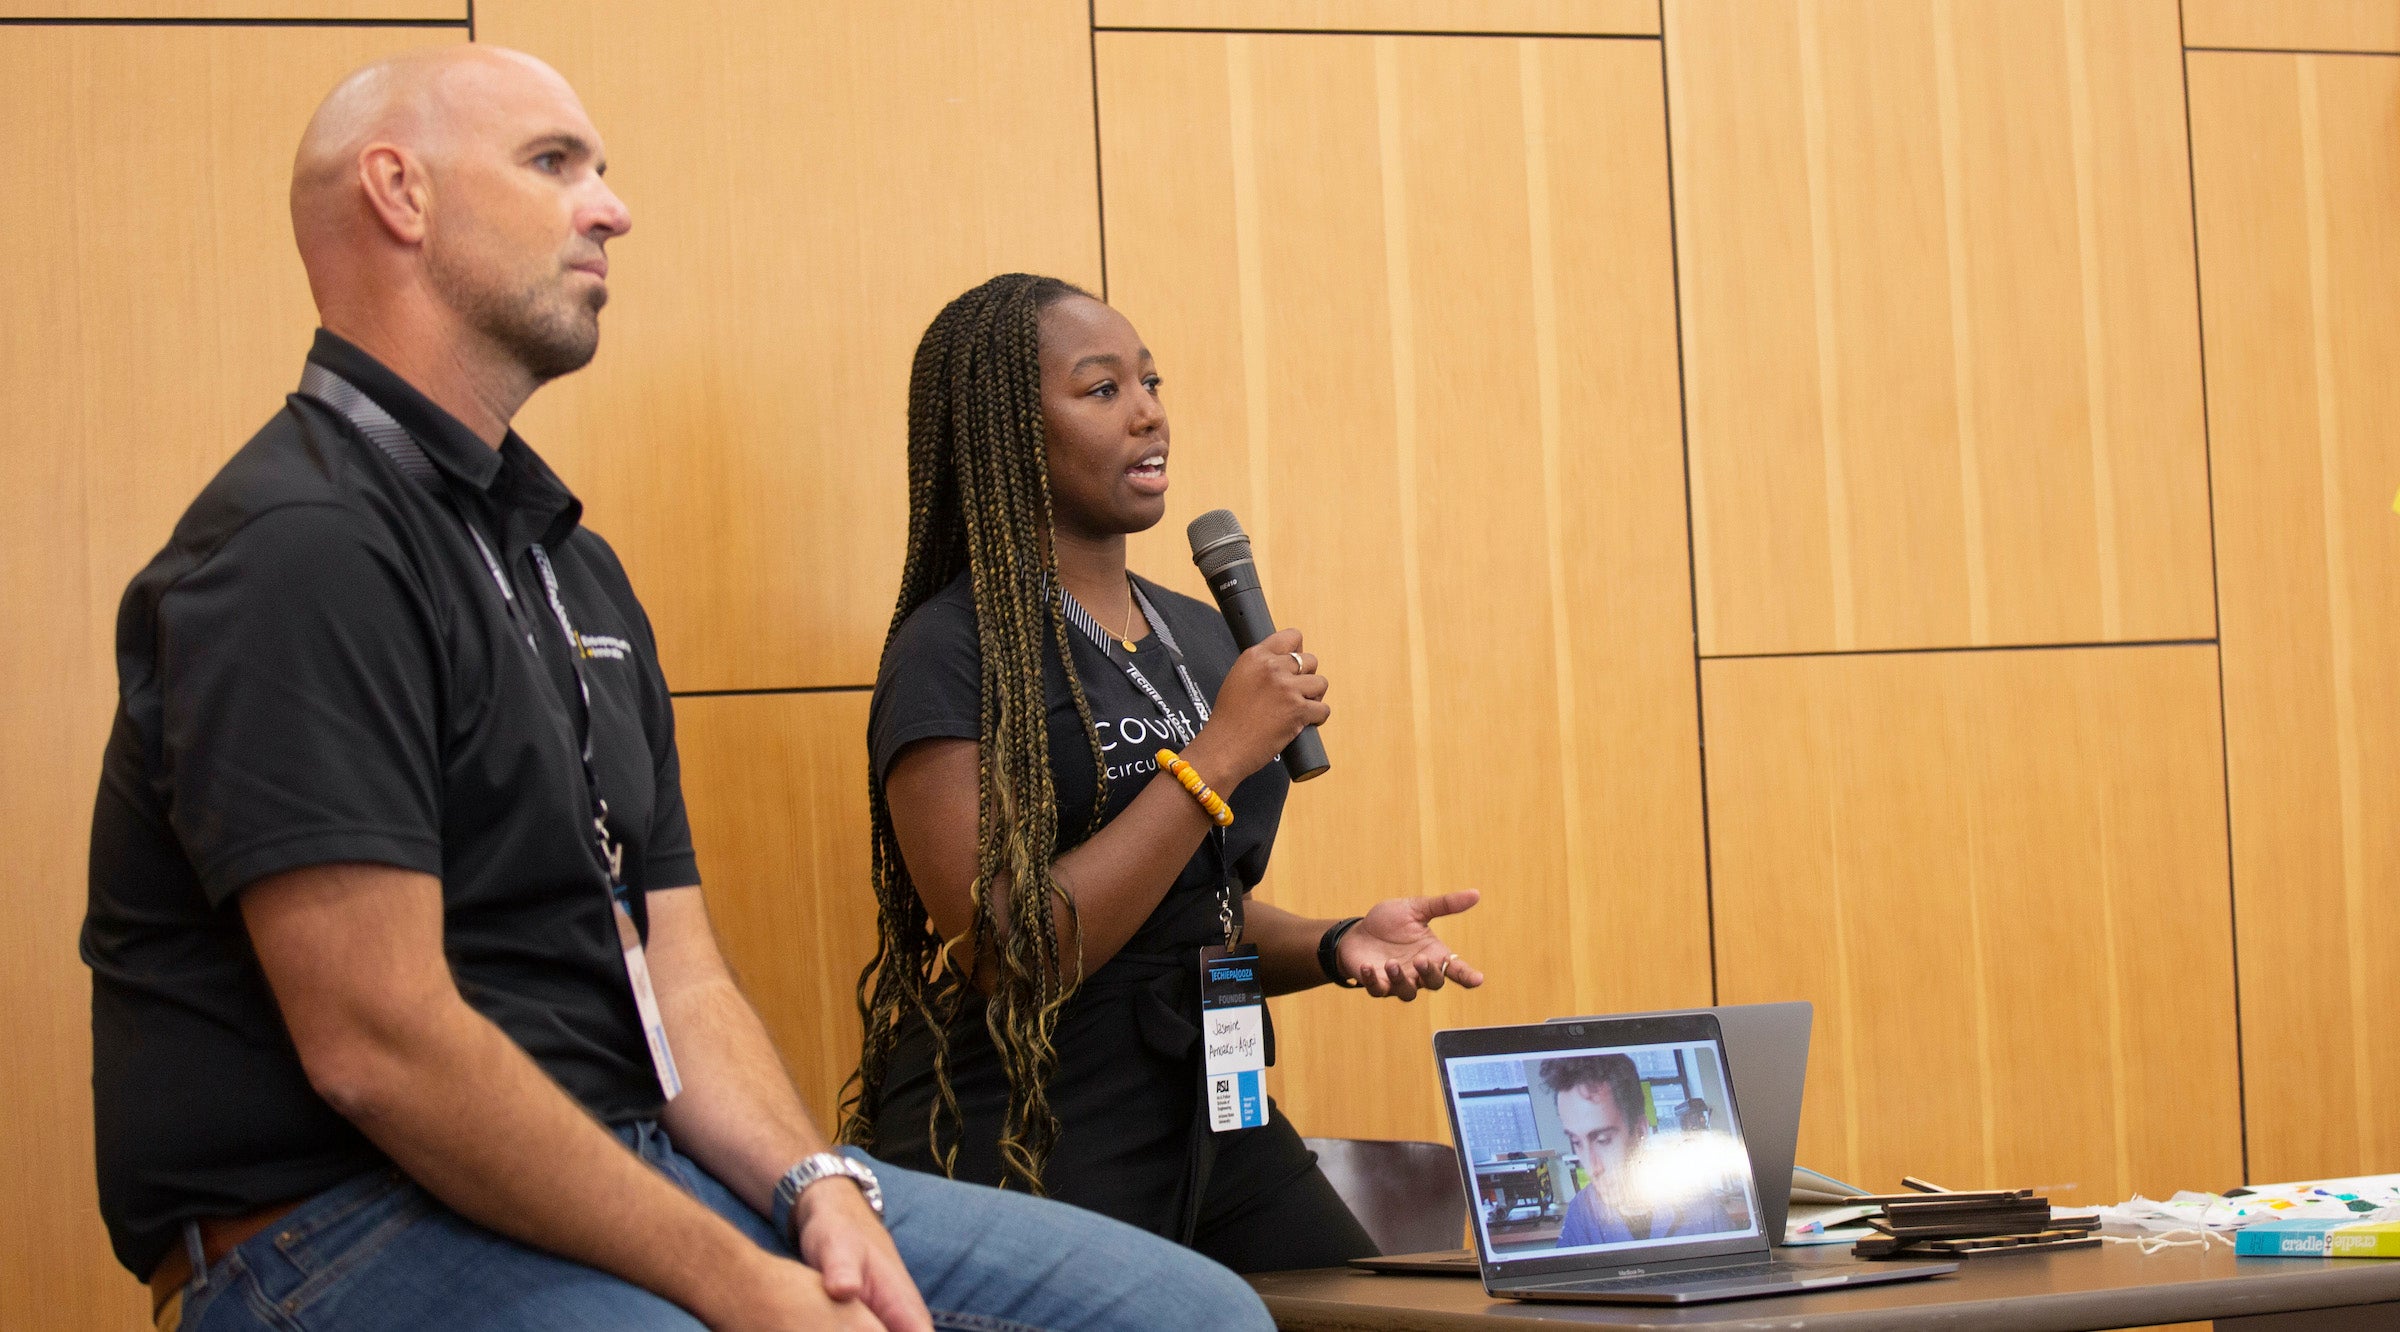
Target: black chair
{"points": [[1406, 1194]]}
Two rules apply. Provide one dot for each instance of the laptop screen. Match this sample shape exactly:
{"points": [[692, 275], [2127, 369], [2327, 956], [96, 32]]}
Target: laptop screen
{"points": [[1601, 1150]]}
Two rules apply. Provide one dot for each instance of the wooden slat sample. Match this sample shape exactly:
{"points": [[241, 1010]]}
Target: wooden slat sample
{"points": [[1589, 17], [2297, 185], [1941, 356], [156, 316], [2001, 877], [347, 11], [1412, 300], [2294, 25], [807, 192], [777, 787]]}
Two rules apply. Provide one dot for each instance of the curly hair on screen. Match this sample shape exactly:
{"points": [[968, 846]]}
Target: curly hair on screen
{"points": [[979, 500]]}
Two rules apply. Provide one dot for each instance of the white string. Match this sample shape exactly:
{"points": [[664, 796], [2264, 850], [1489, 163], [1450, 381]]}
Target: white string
{"points": [[2163, 1239]]}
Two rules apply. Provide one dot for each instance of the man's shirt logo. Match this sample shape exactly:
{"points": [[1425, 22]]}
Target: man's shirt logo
{"points": [[603, 647]]}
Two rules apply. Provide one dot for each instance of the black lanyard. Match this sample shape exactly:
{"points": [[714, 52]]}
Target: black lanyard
{"points": [[388, 435], [1082, 618], [612, 853]]}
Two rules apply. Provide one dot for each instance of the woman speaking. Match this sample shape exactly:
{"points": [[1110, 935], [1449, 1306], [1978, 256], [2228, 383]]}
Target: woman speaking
{"points": [[1045, 891]]}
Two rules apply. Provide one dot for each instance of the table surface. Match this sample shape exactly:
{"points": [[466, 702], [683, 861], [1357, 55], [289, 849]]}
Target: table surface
{"points": [[2114, 1285]]}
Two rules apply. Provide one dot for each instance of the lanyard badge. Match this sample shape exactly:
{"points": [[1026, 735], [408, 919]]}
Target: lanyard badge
{"points": [[612, 854], [1233, 1035], [1233, 1012]]}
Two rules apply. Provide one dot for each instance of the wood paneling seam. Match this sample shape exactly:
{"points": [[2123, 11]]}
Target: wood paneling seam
{"points": [[1531, 94], [1386, 32], [175, 21], [2216, 594], [1960, 647], [1962, 341], [1400, 298], [1695, 500], [2095, 352], [2289, 51], [2337, 600], [1829, 386]]}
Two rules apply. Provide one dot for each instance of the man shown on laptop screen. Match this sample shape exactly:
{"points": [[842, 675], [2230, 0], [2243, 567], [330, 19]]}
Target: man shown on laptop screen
{"points": [[1584, 1150]]}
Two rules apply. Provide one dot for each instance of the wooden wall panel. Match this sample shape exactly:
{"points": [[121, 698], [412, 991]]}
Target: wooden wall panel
{"points": [[156, 315], [345, 10], [1412, 300], [2297, 185], [807, 192], [1620, 17], [2302, 25], [2001, 877], [1940, 344], [777, 786]]}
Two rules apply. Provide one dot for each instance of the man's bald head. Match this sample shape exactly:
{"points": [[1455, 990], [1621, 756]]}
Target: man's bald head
{"points": [[453, 194]]}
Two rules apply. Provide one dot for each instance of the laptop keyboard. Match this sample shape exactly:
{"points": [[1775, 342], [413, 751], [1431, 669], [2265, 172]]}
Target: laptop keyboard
{"points": [[1694, 1277]]}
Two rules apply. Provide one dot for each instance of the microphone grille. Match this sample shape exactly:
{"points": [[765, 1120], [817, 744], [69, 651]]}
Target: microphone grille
{"points": [[1218, 541]]}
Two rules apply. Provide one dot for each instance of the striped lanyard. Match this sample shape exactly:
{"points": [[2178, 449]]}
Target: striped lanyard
{"points": [[610, 849], [394, 441], [1110, 647], [1228, 918]]}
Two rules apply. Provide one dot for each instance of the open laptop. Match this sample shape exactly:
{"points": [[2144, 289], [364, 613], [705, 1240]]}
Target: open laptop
{"points": [[1766, 1053], [1592, 1175]]}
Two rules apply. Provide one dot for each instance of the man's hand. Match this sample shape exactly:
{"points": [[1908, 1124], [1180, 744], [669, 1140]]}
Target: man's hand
{"points": [[741, 1120], [1392, 951], [785, 1296], [843, 1239]]}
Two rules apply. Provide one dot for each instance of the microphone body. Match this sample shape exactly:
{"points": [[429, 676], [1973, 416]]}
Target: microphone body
{"points": [[1222, 551]]}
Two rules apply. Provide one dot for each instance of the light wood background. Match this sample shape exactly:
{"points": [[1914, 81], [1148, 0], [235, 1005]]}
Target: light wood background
{"points": [[1883, 502], [1387, 391], [2296, 176]]}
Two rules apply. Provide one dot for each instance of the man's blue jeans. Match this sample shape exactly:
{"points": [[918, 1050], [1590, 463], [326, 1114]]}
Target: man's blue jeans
{"points": [[379, 1254]]}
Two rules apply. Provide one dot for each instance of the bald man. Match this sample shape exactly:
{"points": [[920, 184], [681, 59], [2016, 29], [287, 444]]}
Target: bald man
{"points": [[406, 1009]]}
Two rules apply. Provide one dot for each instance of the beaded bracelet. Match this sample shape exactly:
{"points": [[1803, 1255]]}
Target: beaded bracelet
{"points": [[1218, 811]]}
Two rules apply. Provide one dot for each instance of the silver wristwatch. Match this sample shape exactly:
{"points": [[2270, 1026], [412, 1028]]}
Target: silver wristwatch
{"points": [[824, 1165]]}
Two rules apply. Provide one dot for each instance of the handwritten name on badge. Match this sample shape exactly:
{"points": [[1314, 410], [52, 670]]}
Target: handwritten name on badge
{"points": [[1233, 1041], [1237, 1040]]}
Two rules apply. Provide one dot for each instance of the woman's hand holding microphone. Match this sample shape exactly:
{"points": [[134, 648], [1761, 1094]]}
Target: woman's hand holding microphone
{"points": [[1272, 691]]}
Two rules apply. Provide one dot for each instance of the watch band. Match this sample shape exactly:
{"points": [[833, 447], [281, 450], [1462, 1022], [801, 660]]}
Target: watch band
{"points": [[817, 1168], [1326, 944]]}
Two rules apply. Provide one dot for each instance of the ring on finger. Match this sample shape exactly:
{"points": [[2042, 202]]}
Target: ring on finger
{"points": [[1299, 664]]}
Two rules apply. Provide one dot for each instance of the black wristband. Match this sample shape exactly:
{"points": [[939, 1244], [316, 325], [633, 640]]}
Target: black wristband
{"points": [[1332, 939]]}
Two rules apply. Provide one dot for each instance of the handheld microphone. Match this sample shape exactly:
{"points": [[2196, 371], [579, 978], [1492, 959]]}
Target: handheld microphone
{"points": [[1222, 550]]}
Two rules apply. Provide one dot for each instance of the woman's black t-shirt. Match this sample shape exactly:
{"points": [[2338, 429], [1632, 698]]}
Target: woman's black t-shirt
{"points": [[930, 687], [1127, 1089]]}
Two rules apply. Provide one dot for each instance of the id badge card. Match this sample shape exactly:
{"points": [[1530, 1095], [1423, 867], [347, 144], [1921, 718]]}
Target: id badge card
{"points": [[645, 1002], [1233, 1034]]}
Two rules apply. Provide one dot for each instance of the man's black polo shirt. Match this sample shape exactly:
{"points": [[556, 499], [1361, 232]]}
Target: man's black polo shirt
{"points": [[319, 667]]}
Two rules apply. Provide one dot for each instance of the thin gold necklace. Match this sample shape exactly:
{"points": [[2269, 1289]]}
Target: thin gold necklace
{"points": [[1132, 608]]}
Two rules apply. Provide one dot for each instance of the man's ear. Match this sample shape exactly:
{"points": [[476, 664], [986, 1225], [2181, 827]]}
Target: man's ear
{"points": [[398, 189]]}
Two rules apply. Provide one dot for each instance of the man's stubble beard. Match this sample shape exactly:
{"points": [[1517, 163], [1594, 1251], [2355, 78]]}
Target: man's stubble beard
{"points": [[548, 332]]}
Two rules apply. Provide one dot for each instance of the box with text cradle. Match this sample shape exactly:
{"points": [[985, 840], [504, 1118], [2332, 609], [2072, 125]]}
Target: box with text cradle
{"points": [[2287, 1239], [2365, 1239]]}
